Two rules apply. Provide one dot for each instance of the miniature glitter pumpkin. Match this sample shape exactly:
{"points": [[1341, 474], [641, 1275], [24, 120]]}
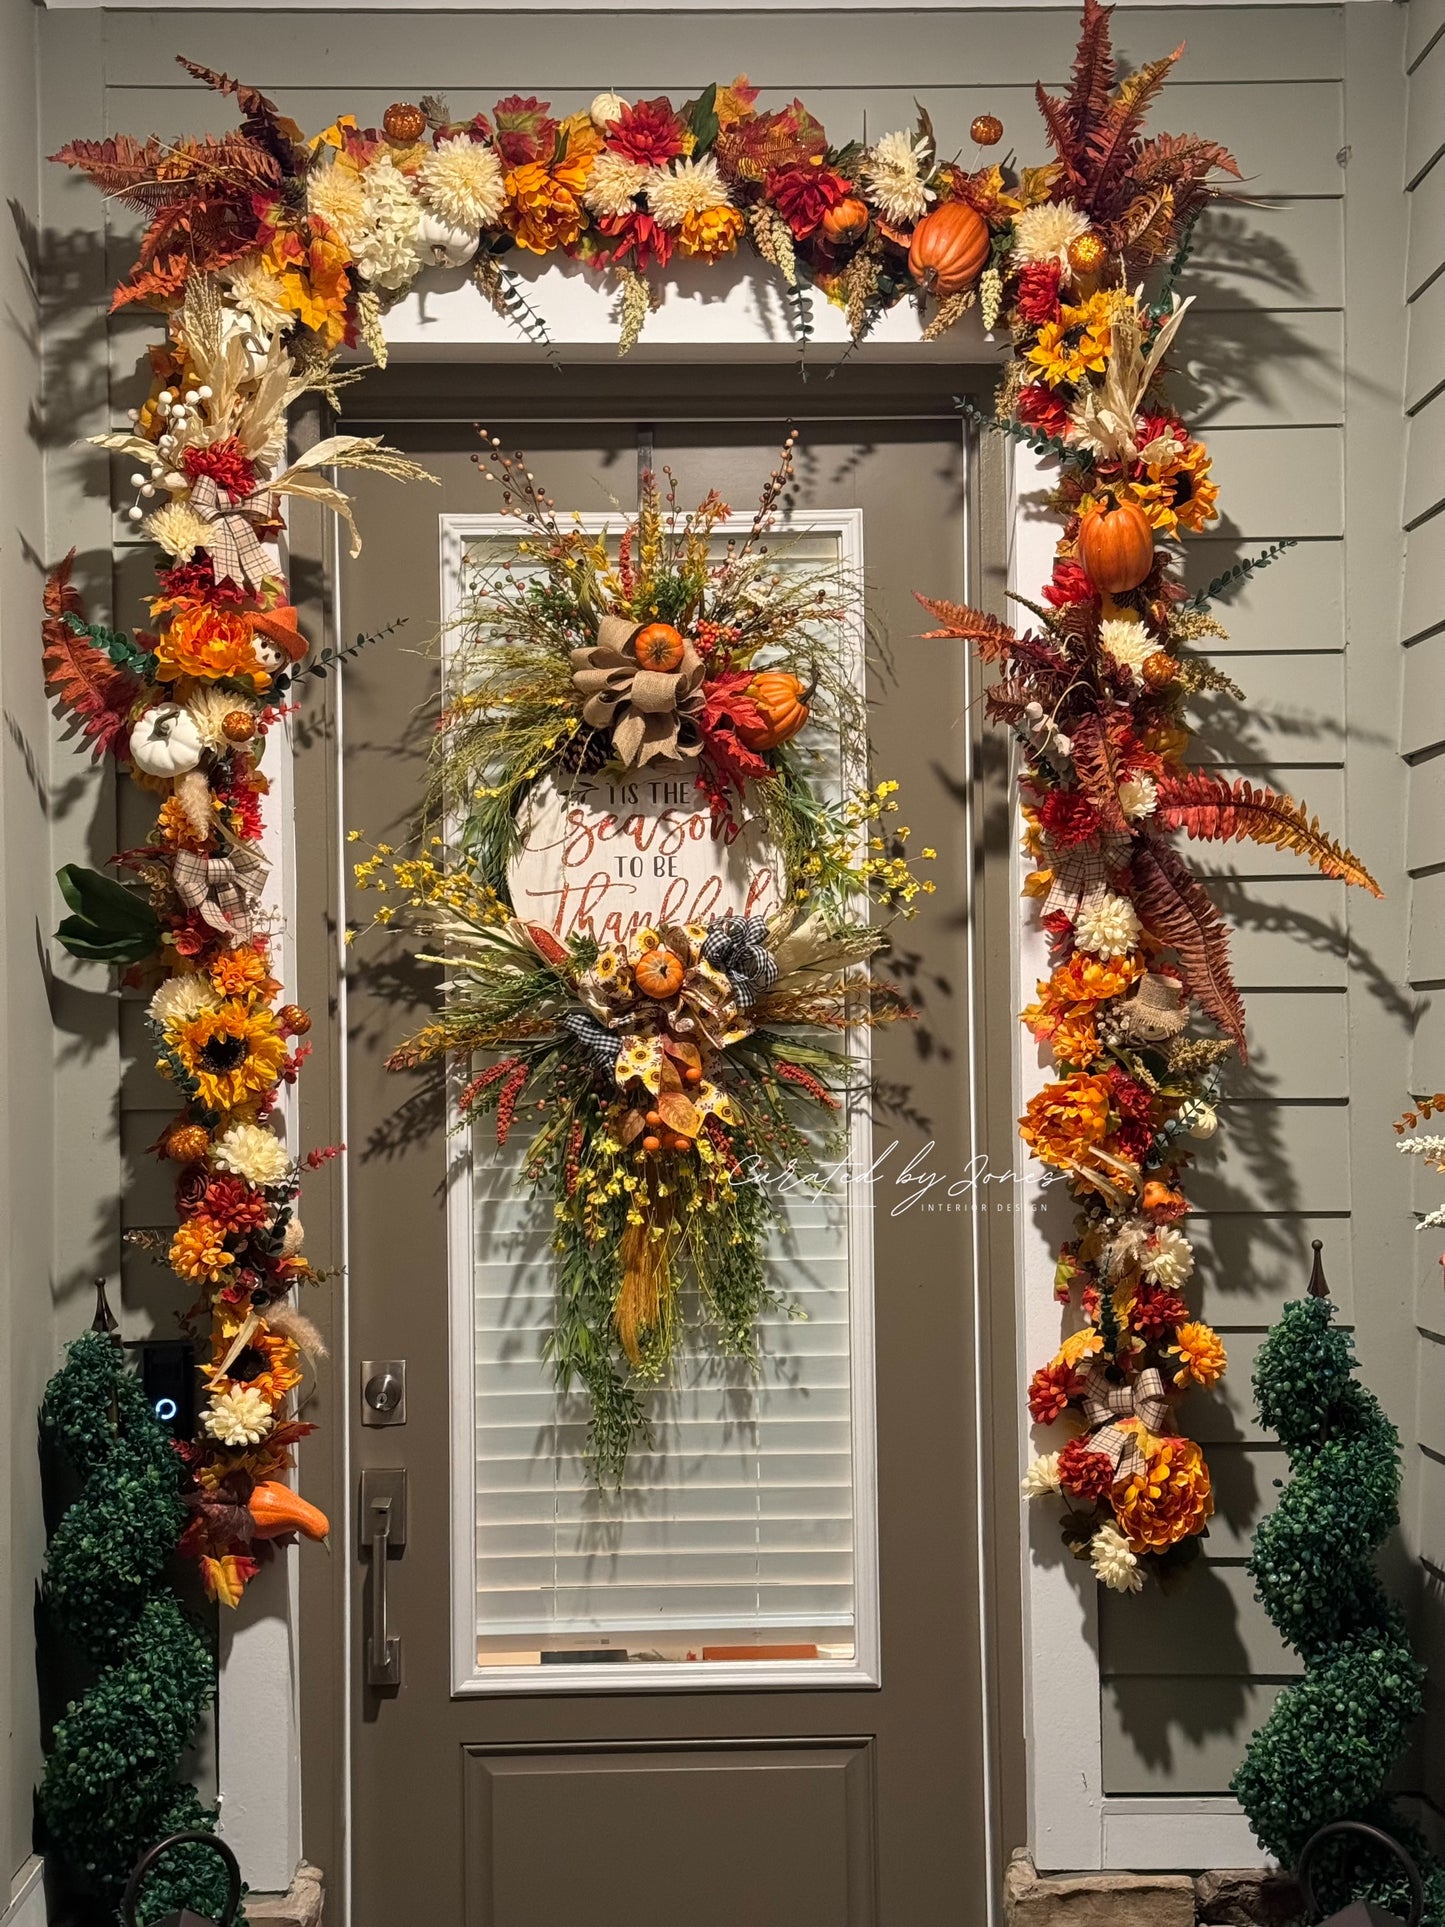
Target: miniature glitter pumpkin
{"points": [[783, 703], [987, 130], [187, 1143], [1116, 547], [238, 725], [949, 249], [1159, 670], [846, 222], [293, 1018], [658, 973], [1087, 253], [403, 123], [658, 647]]}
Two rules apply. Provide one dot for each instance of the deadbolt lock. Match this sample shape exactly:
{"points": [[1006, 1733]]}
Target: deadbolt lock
{"points": [[383, 1391]]}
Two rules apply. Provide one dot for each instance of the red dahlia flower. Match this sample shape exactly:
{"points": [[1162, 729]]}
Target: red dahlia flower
{"points": [[1038, 295], [638, 235], [1070, 584], [226, 463], [649, 133], [1086, 1474], [1041, 408], [1067, 818], [1050, 1389], [803, 192]]}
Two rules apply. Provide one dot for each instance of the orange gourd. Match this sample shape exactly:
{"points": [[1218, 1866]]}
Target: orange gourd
{"points": [[1116, 547], [659, 646], [783, 703], [275, 1509], [949, 250], [658, 973], [846, 222]]}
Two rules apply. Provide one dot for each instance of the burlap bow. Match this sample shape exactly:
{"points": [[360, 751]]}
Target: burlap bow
{"points": [[651, 713], [235, 549], [225, 889], [1106, 1401]]}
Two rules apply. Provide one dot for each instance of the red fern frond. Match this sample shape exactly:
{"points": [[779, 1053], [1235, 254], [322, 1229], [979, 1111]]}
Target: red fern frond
{"points": [[1111, 145], [1214, 810], [1093, 73], [1060, 134], [1098, 771], [1176, 910], [262, 121], [991, 637], [1180, 160], [98, 695]]}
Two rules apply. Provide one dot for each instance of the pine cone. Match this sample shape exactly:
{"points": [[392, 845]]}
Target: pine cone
{"points": [[588, 751]]}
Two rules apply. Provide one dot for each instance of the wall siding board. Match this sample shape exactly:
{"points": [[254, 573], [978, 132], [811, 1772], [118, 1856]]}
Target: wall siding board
{"points": [[1422, 602], [1286, 930], [1425, 349], [1424, 21], [1424, 823], [1179, 1735], [1250, 1262], [1431, 1404], [1265, 367], [1427, 930], [1293, 712], [1276, 1157], [1296, 603], [1425, 462], [1289, 254], [1216, 1629], [1425, 115], [1422, 702], [1425, 248], [1258, 473]]}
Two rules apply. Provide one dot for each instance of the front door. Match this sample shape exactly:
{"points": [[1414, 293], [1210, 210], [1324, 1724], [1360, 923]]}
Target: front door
{"points": [[748, 1688]]}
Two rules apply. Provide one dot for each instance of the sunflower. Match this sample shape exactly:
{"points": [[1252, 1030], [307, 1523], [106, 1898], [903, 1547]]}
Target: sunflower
{"points": [[1176, 492], [233, 1052], [1075, 345], [266, 1364], [1169, 1500]]}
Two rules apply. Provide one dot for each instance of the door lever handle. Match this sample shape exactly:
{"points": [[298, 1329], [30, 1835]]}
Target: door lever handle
{"points": [[383, 1532]]}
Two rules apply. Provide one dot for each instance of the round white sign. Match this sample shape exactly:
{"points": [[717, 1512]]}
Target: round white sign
{"points": [[606, 856]]}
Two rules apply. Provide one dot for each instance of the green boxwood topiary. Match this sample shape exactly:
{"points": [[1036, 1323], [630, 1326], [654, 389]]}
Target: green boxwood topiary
{"points": [[110, 1789], [1331, 1740]]}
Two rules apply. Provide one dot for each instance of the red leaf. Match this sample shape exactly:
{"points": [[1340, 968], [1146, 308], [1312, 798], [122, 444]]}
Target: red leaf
{"points": [[98, 694], [1176, 909]]}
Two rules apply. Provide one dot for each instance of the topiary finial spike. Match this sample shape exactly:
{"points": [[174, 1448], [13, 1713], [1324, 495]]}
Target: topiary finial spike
{"points": [[105, 1319], [1318, 1288]]}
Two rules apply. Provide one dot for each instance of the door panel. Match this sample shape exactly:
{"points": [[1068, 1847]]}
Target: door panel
{"points": [[840, 1807]]}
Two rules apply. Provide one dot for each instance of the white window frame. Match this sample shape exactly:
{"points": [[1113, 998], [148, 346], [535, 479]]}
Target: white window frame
{"points": [[468, 1677]]}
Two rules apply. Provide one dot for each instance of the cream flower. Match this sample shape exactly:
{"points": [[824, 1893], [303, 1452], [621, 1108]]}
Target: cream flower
{"points": [[387, 256], [892, 174], [208, 708], [1126, 641], [686, 187], [239, 1416], [614, 184], [1138, 797], [1169, 1258], [462, 181], [1041, 1476], [259, 294], [1043, 233], [1106, 925], [334, 193], [177, 529], [1114, 1565], [253, 1153], [182, 997]]}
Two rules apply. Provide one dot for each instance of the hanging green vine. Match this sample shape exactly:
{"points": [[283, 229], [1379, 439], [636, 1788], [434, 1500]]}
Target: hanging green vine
{"points": [[110, 1788], [1327, 1749]]}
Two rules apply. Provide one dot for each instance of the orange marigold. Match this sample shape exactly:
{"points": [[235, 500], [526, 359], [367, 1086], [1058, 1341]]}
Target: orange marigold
{"points": [[198, 1250], [1169, 1500], [544, 202], [709, 233], [1201, 1355], [208, 644], [1064, 1121]]}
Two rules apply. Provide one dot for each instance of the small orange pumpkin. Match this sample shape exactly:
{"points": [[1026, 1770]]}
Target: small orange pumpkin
{"points": [[1162, 1197], [659, 646], [846, 222], [783, 703], [275, 1509], [949, 249], [187, 1143], [1116, 547], [658, 973]]}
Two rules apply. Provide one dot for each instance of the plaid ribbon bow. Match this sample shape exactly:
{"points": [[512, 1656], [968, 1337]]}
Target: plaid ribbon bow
{"points": [[235, 548], [739, 946], [1107, 1400], [1080, 871], [225, 889]]}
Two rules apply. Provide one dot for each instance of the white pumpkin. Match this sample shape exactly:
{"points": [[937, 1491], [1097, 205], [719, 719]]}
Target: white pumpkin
{"points": [[442, 245], [166, 741], [605, 107]]}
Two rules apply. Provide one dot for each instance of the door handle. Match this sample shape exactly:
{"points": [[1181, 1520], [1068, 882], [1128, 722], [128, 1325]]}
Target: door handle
{"points": [[383, 1532]]}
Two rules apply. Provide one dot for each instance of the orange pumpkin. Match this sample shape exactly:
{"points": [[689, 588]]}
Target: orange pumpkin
{"points": [[783, 703], [1116, 547], [187, 1143], [949, 250], [659, 646], [846, 222], [275, 1509], [658, 973]]}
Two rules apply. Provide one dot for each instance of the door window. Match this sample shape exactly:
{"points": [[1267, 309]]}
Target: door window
{"points": [[742, 1546]]}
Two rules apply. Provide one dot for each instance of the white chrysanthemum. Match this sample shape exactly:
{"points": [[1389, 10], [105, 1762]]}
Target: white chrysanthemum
{"points": [[259, 294], [253, 1153], [1106, 925], [1169, 1258], [208, 708], [1126, 641], [892, 174], [686, 187], [605, 108], [178, 530], [239, 1416], [1044, 233], [1114, 1565], [1138, 797], [336, 195], [1041, 1476], [614, 184], [462, 181], [388, 256], [180, 998]]}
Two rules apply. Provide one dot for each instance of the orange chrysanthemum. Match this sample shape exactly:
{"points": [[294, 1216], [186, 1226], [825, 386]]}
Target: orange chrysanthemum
{"points": [[207, 644], [234, 1053], [198, 1251], [709, 233], [544, 203], [175, 829], [243, 973], [1169, 1500], [1064, 1121], [1201, 1355]]}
